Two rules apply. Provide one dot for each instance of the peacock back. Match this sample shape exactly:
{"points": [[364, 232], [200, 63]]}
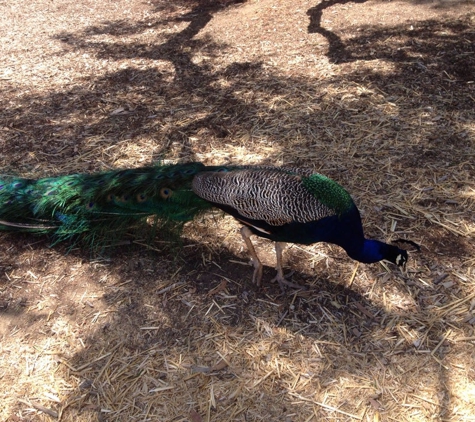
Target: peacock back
{"points": [[277, 196]]}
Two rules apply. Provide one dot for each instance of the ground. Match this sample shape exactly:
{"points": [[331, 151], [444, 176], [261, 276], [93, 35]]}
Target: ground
{"points": [[379, 95]]}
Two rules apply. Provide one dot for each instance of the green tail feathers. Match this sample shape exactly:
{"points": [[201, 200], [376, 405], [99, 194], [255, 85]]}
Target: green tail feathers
{"points": [[101, 203]]}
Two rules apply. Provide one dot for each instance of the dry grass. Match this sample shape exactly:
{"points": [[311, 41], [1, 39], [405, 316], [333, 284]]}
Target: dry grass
{"points": [[379, 96]]}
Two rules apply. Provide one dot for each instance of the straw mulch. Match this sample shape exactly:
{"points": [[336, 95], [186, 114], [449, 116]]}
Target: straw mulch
{"points": [[379, 96]]}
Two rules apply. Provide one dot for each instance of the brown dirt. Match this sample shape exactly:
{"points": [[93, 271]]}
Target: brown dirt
{"points": [[378, 95]]}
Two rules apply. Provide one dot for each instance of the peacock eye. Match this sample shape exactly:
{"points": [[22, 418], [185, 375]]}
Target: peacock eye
{"points": [[90, 206], [400, 260], [110, 197], [165, 193], [141, 197]]}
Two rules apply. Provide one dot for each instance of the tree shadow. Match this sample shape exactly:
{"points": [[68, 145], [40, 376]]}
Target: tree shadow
{"points": [[337, 51], [340, 321], [186, 99], [415, 44], [168, 305]]}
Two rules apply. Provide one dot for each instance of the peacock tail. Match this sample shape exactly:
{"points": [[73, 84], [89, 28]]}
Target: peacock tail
{"points": [[99, 204]]}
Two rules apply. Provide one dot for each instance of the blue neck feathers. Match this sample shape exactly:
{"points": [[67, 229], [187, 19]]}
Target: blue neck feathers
{"points": [[374, 250], [347, 232], [370, 251]]}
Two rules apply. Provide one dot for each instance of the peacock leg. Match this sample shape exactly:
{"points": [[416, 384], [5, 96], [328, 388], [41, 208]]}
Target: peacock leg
{"points": [[257, 276], [280, 278], [279, 249]]}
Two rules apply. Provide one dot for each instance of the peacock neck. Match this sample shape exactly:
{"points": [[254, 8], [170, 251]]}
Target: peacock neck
{"points": [[368, 251]]}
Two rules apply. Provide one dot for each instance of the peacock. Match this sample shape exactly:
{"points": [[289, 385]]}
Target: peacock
{"points": [[283, 204]]}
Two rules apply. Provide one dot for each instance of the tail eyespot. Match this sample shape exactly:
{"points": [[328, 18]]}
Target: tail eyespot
{"points": [[141, 197], [165, 193]]}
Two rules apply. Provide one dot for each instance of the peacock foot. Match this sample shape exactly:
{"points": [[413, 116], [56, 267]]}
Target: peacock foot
{"points": [[282, 280], [257, 275]]}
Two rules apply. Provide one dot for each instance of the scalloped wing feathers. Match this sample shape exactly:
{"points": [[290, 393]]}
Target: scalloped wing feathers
{"points": [[276, 196]]}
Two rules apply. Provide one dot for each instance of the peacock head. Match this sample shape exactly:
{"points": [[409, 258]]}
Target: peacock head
{"points": [[396, 256], [374, 251], [400, 255]]}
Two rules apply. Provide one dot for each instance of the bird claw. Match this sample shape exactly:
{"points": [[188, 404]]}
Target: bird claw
{"points": [[257, 275], [282, 280]]}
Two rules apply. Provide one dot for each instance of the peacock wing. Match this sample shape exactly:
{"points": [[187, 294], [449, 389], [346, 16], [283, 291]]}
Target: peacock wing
{"points": [[272, 195]]}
